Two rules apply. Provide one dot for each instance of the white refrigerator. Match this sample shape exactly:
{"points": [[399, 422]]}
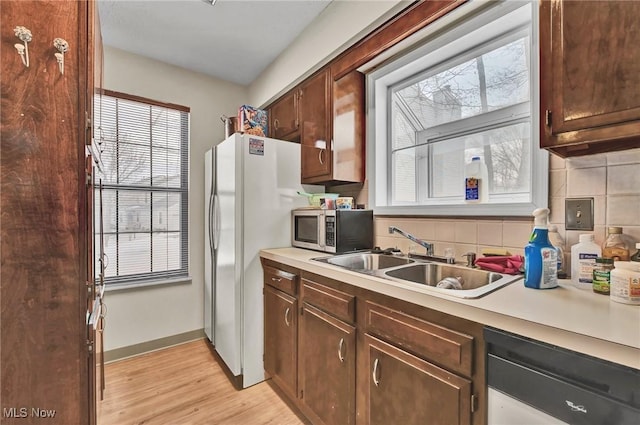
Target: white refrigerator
{"points": [[251, 186]]}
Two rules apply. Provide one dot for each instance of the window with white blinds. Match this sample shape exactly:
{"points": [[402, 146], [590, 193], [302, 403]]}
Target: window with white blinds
{"points": [[145, 188]]}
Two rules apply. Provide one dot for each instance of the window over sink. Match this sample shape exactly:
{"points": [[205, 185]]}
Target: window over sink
{"points": [[469, 89]]}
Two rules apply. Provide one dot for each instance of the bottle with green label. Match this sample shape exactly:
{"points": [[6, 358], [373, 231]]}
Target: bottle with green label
{"points": [[602, 275]]}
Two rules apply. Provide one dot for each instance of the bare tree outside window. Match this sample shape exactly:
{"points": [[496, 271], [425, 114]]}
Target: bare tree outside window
{"points": [[446, 104]]}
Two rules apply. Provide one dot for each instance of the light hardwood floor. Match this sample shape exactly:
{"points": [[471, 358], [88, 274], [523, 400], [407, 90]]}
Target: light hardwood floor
{"points": [[184, 385]]}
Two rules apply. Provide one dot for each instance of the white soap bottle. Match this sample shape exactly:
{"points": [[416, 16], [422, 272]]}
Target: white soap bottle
{"points": [[583, 260], [476, 181]]}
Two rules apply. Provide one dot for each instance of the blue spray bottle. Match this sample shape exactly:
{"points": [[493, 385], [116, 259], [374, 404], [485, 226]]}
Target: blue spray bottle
{"points": [[540, 257]]}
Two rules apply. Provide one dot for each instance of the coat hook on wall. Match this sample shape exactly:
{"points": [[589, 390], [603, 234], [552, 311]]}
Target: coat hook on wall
{"points": [[62, 46], [23, 49]]}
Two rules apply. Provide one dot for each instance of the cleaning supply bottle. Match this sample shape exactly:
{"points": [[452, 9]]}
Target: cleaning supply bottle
{"points": [[476, 182], [540, 257], [583, 261], [557, 241]]}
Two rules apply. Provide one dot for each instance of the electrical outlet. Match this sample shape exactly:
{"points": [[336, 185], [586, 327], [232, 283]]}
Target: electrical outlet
{"points": [[578, 214]]}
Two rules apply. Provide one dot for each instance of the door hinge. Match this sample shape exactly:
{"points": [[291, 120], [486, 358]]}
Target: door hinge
{"points": [[87, 120], [90, 347], [474, 403], [88, 181], [301, 393], [301, 311], [547, 119]]}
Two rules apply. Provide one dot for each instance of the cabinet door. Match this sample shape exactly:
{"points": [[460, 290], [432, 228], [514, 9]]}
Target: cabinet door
{"points": [[315, 134], [280, 339], [327, 367], [590, 74], [405, 389], [284, 117], [348, 128]]}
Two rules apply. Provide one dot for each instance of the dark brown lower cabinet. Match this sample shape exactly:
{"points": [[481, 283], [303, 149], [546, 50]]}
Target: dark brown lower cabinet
{"points": [[344, 355], [405, 389], [328, 367], [281, 339]]}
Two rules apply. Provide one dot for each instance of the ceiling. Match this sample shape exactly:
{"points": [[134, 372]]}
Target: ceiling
{"points": [[234, 40]]}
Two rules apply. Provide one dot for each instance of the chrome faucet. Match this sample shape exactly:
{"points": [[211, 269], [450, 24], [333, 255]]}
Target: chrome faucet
{"points": [[427, 245]]}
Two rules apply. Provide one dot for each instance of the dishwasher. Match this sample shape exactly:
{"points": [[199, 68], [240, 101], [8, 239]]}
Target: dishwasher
{"points": [[534, 383]]}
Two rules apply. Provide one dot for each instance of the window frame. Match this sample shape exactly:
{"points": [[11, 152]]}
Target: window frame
{"points": [[444, 32], [180, 274]]}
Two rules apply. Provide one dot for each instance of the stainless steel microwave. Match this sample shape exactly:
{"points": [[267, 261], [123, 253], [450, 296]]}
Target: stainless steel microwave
{"points": [[334, 231]]}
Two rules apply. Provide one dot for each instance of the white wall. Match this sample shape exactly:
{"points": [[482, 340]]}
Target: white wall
{"points": [[145, 314]]}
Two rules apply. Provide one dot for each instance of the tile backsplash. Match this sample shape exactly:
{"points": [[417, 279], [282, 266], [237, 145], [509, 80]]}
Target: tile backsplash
{"points": [[611, 179]]}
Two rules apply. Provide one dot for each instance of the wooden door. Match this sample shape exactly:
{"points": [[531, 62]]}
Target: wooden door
{"points": [[284, 117], [405, 389], [45, 356], [327, 367], [315, 128], [281, 339], [590, 75]]}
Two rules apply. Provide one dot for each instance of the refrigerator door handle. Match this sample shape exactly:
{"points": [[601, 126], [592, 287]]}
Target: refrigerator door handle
{"points": [[216, 207], [211, 212]]}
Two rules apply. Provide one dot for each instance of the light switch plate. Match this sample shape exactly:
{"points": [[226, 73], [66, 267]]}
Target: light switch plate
{"points": [[578, 214]]}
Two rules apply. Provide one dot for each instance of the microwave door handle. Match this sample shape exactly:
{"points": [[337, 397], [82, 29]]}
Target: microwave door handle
{"points": [[322, 234]]}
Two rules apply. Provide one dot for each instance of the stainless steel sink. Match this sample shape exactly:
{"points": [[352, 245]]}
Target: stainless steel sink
{"points": [[424, 276], [366, 262]]}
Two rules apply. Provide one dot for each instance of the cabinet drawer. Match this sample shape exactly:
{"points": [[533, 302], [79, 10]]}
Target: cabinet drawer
{"points": [[332, 301], [446, 347], [284, 281]]}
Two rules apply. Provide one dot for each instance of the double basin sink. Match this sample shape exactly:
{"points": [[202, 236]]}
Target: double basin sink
{"points": [[457, 281]]}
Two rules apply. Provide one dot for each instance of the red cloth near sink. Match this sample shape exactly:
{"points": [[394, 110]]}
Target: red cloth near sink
{"points": [[511, 264]]}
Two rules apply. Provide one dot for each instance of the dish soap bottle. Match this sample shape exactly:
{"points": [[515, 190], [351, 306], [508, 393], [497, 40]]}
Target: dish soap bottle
{"points": [[557, 241], [476, 182], [583, 261], [540, 257]]}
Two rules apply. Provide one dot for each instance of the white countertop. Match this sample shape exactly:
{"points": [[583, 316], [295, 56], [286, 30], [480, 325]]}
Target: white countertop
{"points": [[566, 316]]}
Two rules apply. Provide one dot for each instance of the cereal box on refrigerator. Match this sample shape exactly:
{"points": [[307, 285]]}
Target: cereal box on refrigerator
{"points": [[253, 120]]}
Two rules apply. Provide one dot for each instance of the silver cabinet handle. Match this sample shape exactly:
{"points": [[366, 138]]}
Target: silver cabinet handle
{"points": [[276, 124], [286, 316], [340, 345], [376, 379], [276, 279], [320, 156]]}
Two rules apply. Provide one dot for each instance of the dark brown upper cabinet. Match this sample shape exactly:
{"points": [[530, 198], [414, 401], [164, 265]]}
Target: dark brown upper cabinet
{"points": [[590, 76], [283, 117], [315, 107]]}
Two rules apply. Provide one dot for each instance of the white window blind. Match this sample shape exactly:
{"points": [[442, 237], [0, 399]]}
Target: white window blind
{"points": [[145, 189]]}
